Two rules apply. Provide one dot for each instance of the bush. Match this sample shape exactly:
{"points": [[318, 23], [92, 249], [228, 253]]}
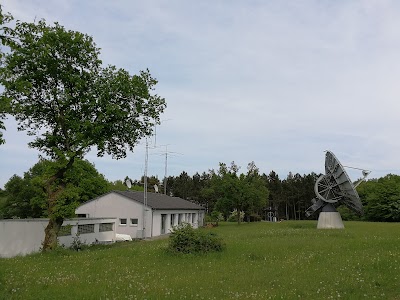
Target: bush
{"points": [[233, 216], [208, 219], [216, 217], [185, 239], [77, 244]]}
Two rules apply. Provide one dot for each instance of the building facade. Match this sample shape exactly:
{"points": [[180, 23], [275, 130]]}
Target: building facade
{"points": [[158, 217]]}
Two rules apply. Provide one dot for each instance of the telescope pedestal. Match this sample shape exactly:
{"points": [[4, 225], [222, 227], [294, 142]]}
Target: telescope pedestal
{"points": [[329, 218]]}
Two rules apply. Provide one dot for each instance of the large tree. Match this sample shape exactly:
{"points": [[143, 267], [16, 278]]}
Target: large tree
{"points": [[183, 186], [5, 39], [25, 197], [240, 192], [381, 198], [60, 93]]}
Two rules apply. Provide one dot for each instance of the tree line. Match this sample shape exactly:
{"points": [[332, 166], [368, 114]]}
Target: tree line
{"points": [[255, 193], [221, 191]]}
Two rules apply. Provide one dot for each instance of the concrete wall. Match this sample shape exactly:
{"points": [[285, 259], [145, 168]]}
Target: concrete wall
{"points": [[20, 237], [24, 236]]}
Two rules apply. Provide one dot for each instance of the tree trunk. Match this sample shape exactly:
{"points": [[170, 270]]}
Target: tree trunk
{"points": [[53, 227], [294, 210], [50, 240], [53, 190], [287, 211]]}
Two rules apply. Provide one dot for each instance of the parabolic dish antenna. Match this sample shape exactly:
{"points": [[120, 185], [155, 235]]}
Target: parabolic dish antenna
{"points": [[128, 183], [334, 189]]}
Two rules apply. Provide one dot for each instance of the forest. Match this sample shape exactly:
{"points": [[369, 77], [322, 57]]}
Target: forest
{"points": [[222, 192]]}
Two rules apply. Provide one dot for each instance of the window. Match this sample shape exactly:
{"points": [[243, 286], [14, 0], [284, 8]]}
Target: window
{"points": [[193, 217], [65, 230], [180, 219], [86, 228], [172, 220], [134, 222], [122, 222], [105, 227], [81, 215]]}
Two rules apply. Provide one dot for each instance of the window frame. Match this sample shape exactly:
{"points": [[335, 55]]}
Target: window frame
{"points": [[105, 227], [85, 228], [134, 224]]}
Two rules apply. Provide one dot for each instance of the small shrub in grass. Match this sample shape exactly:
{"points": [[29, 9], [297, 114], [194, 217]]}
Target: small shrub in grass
{"points": [[185, 239], [234, 215], [77, 244]]}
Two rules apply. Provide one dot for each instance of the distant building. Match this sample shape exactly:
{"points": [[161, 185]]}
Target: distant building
{"points": [[161, 214]]}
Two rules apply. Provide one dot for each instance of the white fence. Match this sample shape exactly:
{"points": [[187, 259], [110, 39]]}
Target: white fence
{"points": [[24, 236]]}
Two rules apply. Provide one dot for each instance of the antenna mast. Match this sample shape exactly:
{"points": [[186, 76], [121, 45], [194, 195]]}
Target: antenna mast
{"points": [[146, 162], [165, 174], [166, 165]]}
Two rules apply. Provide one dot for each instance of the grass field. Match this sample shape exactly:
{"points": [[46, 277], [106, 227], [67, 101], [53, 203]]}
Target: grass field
{"points": [[288, 260]]}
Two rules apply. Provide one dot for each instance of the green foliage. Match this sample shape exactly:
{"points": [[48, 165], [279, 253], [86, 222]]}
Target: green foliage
{"points": [[18, 192], [3, 200], [185, 239], [233, 217], [244, 192], [119, 185], [63, 96], [26, 196], [348, 214], [254, 218], [4, 40], [183, 185], [381, 198], [217, 217], [225, 189], [77, 244], [59, 93]]}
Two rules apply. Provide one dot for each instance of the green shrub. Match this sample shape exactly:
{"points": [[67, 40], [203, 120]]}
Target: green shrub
{"points": [[208, 219], [185, 239], [233, 216]]}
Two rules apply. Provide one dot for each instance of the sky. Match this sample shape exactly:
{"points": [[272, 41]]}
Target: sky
{"points": [[274, 82]]}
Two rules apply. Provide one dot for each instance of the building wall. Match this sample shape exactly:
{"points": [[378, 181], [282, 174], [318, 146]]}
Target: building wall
{"points": [[173, 218], [121, 208], [24, 236], [92, 237], [20, 237]]}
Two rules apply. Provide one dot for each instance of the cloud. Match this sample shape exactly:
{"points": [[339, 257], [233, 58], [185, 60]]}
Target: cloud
{"points": [[277, 82]]}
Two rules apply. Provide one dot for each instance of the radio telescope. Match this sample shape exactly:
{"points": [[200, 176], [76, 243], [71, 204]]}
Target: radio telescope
{"points": [[333, 189]]}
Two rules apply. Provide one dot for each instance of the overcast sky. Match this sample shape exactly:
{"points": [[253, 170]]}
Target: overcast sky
{"points": [[275, 82]]}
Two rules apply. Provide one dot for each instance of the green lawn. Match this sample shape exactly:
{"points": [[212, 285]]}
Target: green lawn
{"points": [[288, 260]]}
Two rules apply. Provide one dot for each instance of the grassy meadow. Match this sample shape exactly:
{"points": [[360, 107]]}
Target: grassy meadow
{"points": [[288, 260]]}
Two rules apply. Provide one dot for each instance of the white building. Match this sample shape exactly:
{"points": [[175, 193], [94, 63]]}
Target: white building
{"points": [[133, 218]]}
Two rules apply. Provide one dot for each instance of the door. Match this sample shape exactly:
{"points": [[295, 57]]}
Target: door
{"points": [[163, 223]]}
